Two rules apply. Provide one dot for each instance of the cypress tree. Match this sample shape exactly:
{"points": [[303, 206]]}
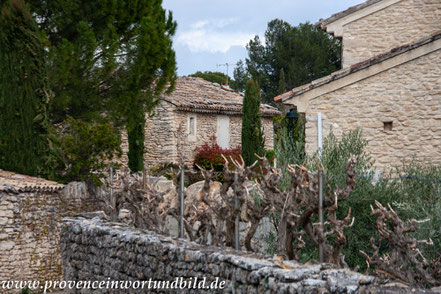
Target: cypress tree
{"points": [[24, 123], [252, 135]]}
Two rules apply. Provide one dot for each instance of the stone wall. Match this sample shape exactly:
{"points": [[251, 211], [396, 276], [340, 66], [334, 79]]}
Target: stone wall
{"points": [[401, 23], [94, 250], [29, 230], [160, 142], [408, 96]]}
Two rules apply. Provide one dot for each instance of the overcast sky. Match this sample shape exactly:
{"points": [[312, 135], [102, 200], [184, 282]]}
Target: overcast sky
{"points": [[215, 32]]}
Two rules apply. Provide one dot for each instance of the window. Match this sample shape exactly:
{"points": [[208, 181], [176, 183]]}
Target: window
{"points": [[192, 128], [387, 125]]}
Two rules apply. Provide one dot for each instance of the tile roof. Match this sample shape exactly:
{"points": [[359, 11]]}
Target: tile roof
{"points": [[323, 23], [16, 183], [197, 95], [357, 67]]}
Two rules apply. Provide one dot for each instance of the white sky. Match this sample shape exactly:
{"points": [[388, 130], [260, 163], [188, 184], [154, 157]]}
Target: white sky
{"points": [[215, 32]]}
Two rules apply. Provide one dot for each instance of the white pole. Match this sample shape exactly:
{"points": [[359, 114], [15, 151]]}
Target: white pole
{"points": [[320, 146], [236, 222], [181, 221], [319, 135]]}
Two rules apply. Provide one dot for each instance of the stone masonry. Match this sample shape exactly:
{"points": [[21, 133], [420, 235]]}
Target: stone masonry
{"points": [[396, 25], [207, 127], [408, 96], [31, 210], [94, 250], [160, 142], [206, 103]]}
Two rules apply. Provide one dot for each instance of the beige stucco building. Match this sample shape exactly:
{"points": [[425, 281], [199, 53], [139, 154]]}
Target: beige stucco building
{"points": [[390, 83], [204, 110]]}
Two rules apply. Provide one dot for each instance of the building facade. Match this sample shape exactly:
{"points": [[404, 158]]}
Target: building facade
{"points": [[390, 83], [204, 110]]}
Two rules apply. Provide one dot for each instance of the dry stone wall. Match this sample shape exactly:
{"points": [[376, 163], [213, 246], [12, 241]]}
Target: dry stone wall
{"points": [[160, 143], [408, 96], [205, 128], [94, 250], [29, 230], [401, 23]]}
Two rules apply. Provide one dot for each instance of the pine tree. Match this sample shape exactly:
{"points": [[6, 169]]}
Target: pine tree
{"points": [[24, 125], [109, 60], [240, 76], [252, 135], [304, 52], [282, 83]]}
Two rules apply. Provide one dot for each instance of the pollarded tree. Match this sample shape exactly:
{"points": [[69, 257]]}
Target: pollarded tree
{"points": [[252, 136], [109, 60], [24, 124]]}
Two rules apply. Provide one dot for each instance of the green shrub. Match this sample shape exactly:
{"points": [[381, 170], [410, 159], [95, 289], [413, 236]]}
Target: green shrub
{"points": [[419, 187], [289, 150], [413, 190], [87, 150], [167, 170], [171, 172], [360, 200], [270, 155]]}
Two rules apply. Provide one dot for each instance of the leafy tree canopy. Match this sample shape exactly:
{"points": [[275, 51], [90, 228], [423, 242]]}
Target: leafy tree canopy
{"points": [[290, 57]]}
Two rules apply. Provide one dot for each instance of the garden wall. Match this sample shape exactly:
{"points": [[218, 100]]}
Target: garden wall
{"points": [[95, 250], [31, 210]]}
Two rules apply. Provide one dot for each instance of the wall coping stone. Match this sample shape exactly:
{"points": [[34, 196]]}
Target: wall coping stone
{"points": [[254, 272]]}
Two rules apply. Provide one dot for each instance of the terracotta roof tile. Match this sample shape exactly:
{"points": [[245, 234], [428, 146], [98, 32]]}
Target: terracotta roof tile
{"points": [[16, 183], [356, 67], [197, 95]]}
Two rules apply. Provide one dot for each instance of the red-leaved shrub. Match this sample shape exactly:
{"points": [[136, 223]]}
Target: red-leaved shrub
{"points": [[209, 155]]}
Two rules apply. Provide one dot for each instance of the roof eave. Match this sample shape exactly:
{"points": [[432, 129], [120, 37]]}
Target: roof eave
{"points": [[357, 68], [334, 25], [264, 113]]}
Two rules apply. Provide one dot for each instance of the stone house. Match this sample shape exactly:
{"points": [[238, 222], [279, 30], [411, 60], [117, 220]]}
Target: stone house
{"points": [[204, 109], [31, 210], [389, 84]]}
